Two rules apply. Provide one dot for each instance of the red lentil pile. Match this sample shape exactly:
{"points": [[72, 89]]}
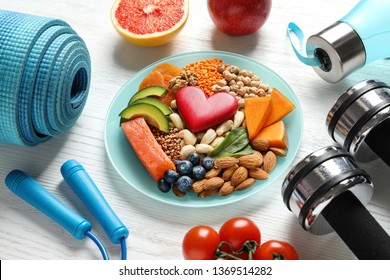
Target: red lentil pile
{"points": [[207, 72]]}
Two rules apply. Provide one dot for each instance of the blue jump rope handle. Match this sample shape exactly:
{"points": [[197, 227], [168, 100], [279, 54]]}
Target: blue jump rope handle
{"points": [[81, 183], [35, 194]]}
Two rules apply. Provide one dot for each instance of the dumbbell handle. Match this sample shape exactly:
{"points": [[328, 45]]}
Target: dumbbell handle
{"points": [[378, 140], [82, 184], [357, 227], [35, 194]]}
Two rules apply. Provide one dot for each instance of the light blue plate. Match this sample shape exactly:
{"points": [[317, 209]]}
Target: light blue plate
{"points": [[132, 171]]}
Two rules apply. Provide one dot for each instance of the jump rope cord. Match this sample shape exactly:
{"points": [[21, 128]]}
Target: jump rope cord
{"points": [[123, 248], [100, 245], [103, 249]]}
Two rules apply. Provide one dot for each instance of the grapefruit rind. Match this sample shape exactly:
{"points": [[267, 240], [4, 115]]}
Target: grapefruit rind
{"points": [[150, 39]]}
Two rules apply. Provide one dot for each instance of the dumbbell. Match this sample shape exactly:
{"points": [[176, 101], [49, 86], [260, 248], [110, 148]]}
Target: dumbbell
{"points": [[360, 121], [327, 192]]}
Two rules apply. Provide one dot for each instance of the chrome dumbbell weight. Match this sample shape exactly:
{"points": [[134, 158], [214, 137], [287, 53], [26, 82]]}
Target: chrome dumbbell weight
{"points": [[327, 192], [360, 121]]}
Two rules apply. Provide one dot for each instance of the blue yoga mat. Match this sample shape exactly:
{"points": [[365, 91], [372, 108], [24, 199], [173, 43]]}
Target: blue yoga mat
{"points": [[45, 73]]}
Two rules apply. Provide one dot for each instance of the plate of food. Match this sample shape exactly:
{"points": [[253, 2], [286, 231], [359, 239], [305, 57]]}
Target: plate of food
{"points": [[203, 129]]}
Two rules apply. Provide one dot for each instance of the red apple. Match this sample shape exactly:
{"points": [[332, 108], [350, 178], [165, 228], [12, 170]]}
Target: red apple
{"points": [[239, 17]]}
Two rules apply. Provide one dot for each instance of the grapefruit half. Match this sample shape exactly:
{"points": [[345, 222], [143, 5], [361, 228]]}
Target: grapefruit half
{"points": [[149, 22]]}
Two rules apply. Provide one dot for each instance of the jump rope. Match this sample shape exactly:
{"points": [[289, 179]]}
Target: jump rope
{"points": [[84, 187]]}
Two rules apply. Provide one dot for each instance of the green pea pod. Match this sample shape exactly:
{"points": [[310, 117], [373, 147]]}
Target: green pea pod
{"points": [[234, 142]]}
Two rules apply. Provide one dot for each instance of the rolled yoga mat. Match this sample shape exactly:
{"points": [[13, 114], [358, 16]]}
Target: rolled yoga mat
{"points": [[45, 73]]}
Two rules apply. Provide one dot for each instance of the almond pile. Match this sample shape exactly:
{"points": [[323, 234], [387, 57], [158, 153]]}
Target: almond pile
{"points": [[235, 174]]}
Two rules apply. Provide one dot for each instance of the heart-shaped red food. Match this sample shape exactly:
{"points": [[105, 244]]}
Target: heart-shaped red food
{"points": [[201, 112]]}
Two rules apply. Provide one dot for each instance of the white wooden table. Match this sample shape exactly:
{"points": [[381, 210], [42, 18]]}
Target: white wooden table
{"points": [[158, 228]]}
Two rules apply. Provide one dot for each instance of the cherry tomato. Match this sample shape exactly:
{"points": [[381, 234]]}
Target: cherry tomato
{"points": [[275, 250], [200, 243], [237, 231]]}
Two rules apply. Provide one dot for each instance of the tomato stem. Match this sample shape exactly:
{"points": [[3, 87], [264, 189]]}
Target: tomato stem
{"points": [[249, 247], [276, 256]]}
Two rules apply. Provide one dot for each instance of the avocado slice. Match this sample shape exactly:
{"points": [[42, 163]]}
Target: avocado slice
{"points": [[152, 115], [148, 91], [155, 102]]}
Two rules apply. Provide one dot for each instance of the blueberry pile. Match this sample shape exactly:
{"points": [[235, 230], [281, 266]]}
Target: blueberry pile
{"points": [[187, 171]]}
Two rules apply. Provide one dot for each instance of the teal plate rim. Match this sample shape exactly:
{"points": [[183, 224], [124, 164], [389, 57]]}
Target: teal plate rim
{"points": [[127, 165]]}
